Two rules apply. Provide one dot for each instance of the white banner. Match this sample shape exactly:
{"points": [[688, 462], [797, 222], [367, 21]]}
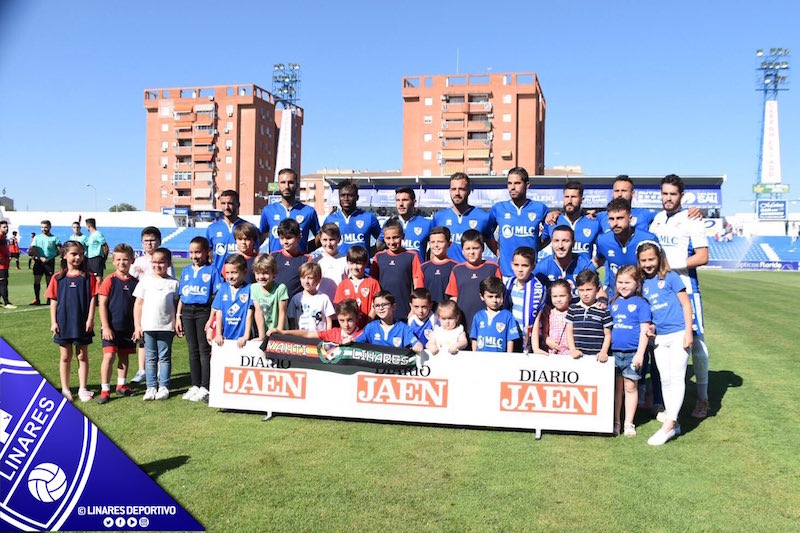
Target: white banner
{"points": [[771, 147], [469, 389]]}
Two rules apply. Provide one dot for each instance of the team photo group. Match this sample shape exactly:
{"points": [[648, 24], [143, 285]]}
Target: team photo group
{"points": [[416, 282]]}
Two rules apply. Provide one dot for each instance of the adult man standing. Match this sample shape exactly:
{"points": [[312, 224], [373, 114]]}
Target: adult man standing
{"points": [[288, 207], [617, 247], [5, 264], [220, 233], [78, 236], [96, 250], [356, 226], [44, 250], [519, 220], [462, 217], [685, 246], [564, 263], [586, 229], [415, 227]]}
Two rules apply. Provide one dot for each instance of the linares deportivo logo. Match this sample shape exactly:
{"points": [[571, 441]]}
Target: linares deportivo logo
{"points": [[54, 465]]}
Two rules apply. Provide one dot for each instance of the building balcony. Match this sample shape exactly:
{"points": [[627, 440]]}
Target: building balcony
{"points": [[453, 155], [479, 125], [457, 142], [479, 143], [183, 150], [480, 153], [478, 170], [183, 133], [480, 107], [454, 108], [451, 168], [182, 200], [453, 125]]}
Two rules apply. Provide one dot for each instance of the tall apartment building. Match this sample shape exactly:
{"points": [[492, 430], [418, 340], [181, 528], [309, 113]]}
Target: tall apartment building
{"points": [[204, 140], [481, 124]]}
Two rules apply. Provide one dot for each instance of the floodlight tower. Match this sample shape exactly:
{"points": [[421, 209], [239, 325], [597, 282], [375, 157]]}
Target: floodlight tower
{"points": [[772, 77], [286, 83]]}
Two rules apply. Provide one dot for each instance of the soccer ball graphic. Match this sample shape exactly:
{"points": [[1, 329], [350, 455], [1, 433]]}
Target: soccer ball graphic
{"points": [[47, 482]]}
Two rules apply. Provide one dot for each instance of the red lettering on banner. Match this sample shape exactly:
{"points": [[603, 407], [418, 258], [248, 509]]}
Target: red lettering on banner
{"points": [[548, 398], [263, 382], [399, 390]]}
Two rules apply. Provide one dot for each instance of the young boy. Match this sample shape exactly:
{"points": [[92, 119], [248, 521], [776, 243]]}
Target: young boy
{"points": [[154, 316], [347, 313], [268, 294], [525, 295], [385, 331], [151, 240], [310, 310], [588, 325], [116, 316], [246, 236], [332, 262], [397, 269], [436, 271], [234, 307], [358, 287], [494, 329], [290, 258], [466, 277], [422, 320]]}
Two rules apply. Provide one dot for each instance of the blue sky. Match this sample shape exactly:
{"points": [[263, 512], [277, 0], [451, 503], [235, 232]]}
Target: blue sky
{"points": [[631, 87]]}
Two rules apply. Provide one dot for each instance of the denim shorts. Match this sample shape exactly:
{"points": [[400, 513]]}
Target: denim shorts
{"points": [[622, 362]]}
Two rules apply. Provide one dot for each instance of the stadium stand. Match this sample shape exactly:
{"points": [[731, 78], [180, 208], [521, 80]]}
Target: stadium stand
{"points": [[754, 249]]}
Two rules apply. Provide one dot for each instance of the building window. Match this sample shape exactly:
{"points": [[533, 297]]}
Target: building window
{"points": [[506, 117], [429, 101], [228, 127], [506, 98], [164, 161], [228, 160], [506, 135], [426, 155], [164, 177], [428, 137], [164, 111], [426, 172], [165, 127], [229, 110], [229, 176], [163, 193], [228, 144], [427, 119], [164, 146]]}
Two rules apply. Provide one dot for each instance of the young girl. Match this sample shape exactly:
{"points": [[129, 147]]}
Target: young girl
{"points": [[672, 316], [551, 324], [154, 316], [72, 305], [197, 287], [233, 305], [448, 334], [631, 316], [272, 297]]}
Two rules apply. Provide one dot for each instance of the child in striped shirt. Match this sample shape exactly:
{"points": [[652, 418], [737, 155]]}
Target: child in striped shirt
{"points": [[588, 325]]}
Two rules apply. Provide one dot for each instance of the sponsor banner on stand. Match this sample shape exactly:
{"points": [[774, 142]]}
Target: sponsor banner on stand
{"points": [[469, 389], [753, 265]]}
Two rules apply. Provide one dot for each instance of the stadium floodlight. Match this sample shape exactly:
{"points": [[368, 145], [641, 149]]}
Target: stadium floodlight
{"points": [[94, 189], [759, 52], [286, 83]]}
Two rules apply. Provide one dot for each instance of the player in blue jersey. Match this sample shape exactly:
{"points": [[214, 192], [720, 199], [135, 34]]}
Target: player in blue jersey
{"points": [[493, 329], [586, 229], [415, 227], [685, 246], [617, 247], [462, 217], [358, 227], [233, 305], [564, 263], [220, 233], [422, 319], [518, 220], [386, 331], [641, 217], [288, 207]]}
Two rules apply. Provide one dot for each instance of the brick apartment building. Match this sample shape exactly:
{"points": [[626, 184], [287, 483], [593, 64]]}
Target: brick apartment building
{"points": [[203, 140], [481, 124]]}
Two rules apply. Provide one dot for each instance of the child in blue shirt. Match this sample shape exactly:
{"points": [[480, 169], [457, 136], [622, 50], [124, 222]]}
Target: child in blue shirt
{"points": [[525, 295], [631, 317], [493, 329], [233, 305], [422, 319], [385, 331]]}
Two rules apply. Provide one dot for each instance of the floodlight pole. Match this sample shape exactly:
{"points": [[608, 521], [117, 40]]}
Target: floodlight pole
{"points": [[94, 190]]}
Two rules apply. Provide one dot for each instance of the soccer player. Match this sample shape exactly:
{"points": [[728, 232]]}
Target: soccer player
{"points": [[288, 207], [564, 263], [686, 248], [44, 250], [358, 227], [462, 217], [519, 220], [585, 229], [415, 227], [220, 233]]}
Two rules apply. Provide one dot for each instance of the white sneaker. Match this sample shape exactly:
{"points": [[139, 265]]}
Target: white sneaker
{"points": [[190, 394], [661, 437], [139, 377], [150, 394], [162, 394], [201, 396]]}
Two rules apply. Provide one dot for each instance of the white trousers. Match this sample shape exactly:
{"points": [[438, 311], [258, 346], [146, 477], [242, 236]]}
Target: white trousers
{"points": [[672, 361]]}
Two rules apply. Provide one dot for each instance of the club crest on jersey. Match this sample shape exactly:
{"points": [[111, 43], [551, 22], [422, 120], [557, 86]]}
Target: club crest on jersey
{"points": [[633, 221], [631, 308], [500, 327], [206, 278], [507, 216], [614, 307], [364, 291], [586, 232], [359, 224], [661, 284], [611, 253], [347, 292], [243, 297], [391, 263], [531, 216], [473, 224], [300, 219], [219, 234], [448, 222], [276, 216], [396, 341], [418, 230], [646, 290]]}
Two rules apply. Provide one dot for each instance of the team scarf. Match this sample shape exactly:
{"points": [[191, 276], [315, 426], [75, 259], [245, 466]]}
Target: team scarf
{"points": [[532, 300]]}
